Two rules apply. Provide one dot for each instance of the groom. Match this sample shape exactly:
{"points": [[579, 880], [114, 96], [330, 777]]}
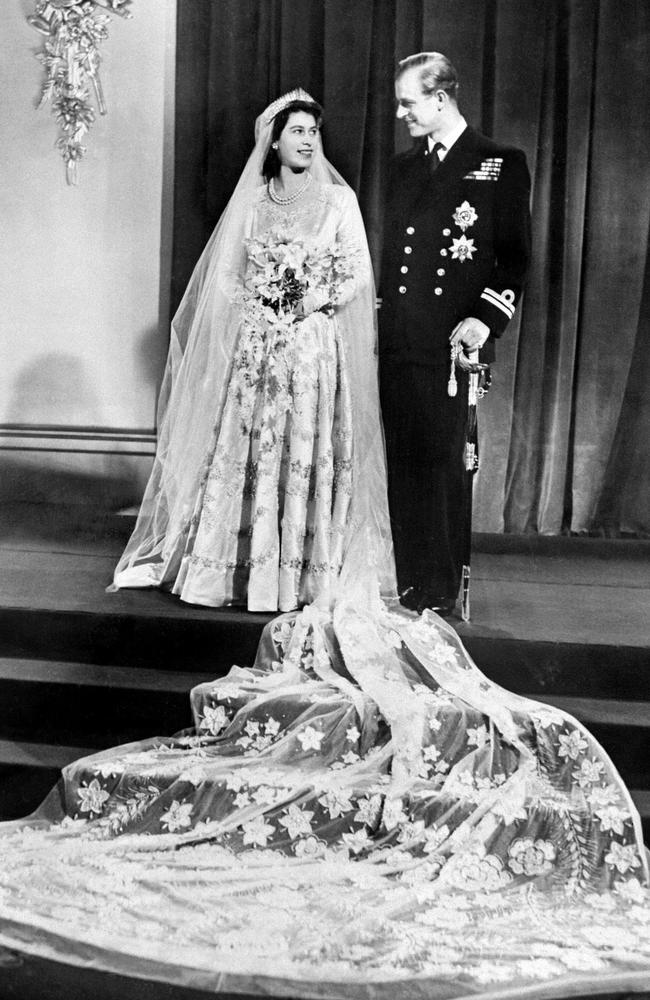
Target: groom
{"points": [[456, 252]]}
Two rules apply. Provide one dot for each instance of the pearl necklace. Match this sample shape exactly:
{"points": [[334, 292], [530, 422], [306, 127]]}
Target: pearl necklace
{"points": [[274, 196]]}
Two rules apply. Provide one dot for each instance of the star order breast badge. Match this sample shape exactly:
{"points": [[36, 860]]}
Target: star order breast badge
{"points": [[465, 216], [462, 249]]}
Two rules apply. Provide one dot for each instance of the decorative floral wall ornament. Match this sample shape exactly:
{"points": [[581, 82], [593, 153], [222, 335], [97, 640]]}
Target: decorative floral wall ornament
{"points": [[73, 30]]}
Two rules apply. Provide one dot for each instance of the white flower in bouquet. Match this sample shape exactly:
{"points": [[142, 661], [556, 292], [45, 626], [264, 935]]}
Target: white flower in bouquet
{"points": [[293, 278]]}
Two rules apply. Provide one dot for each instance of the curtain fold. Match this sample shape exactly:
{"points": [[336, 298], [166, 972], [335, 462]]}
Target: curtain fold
{"points": [[615, 246], [564, 431], [544, 366], [626, 488], [513, 103]]}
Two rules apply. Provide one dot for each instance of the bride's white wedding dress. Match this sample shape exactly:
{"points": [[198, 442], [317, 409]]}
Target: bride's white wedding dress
{"points": [[269, 522], [361, 813], [270, 457]]}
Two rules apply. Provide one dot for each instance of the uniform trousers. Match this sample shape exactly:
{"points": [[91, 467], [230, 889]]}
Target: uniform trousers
{"points": [[428, 487]]}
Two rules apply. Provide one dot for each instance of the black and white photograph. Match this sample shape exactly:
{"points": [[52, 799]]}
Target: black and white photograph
{"points": [[325, 500]]}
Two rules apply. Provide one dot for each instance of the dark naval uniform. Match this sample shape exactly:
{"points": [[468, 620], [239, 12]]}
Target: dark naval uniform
{"points": [[457, 245]]}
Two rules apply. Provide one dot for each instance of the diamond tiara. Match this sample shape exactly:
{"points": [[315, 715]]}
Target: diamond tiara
{"points": [[294, 95]]}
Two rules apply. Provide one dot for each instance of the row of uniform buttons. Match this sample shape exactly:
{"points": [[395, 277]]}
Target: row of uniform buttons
{"points": [[409, 250], [443, 253]]}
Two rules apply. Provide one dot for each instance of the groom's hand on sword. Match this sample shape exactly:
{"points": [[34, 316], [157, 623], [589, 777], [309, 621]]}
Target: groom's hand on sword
{"points": [[467, 337]]}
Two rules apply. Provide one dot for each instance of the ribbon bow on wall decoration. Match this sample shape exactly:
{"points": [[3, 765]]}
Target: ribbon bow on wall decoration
{"points": [[70, 55]]}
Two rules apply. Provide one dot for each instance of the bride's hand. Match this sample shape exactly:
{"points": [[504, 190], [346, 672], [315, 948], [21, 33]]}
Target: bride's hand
{"points": [[312, 302]]}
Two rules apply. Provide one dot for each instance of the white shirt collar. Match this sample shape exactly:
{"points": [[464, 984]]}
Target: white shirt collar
{"points": [[448, 139]]}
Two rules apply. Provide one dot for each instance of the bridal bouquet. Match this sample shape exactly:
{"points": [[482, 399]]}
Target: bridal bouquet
{"points": [[290, 278]]}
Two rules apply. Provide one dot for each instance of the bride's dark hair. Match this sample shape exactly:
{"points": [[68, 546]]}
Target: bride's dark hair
{"points": [[272, 163]]}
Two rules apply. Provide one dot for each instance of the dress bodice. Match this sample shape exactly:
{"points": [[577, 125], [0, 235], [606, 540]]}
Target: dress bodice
{"points": [[325, 216], [317, 215]]}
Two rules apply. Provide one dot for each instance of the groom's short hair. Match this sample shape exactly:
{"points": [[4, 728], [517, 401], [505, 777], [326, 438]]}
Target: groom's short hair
{"points": [[436, 72]]}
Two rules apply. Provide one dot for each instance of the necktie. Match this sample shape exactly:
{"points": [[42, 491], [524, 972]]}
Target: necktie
{"points": [[434, 159]]}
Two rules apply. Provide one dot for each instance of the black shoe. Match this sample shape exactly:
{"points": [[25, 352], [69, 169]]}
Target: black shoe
{"points": [[411, 597], [442, 606]]}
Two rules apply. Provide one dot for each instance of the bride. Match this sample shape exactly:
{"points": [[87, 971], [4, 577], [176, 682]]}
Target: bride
{"points": [[270, 447], [361, 813]]}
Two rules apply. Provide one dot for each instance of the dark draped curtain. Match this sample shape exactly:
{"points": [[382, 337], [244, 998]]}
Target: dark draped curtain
{"points": [[565, 429]]}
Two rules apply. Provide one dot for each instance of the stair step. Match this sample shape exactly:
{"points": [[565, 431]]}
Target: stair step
{"points": [[101, 676], [641, 799], [565, 669], [40, 755], [601, 711], [196, 642], [76, 704], [79, 704], [190, 642]]}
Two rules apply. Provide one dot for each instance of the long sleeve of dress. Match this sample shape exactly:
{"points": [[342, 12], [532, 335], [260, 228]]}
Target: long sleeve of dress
{"points": [[351, 237]]}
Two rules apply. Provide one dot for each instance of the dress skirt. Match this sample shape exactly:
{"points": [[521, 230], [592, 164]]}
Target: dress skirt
{"points": [[269, 520]]}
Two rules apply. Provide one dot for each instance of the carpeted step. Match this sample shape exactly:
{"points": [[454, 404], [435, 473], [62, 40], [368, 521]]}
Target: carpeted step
{"points": [[54, 712], [194, 641], [563, 668], [211, 640], [27, 773], [82, 704]]}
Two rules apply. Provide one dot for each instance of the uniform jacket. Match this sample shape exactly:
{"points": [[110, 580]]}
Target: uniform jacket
{"points": [[457, 244]]}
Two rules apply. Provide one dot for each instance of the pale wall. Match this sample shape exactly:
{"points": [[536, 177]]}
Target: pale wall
{"points": [[84, 271]]}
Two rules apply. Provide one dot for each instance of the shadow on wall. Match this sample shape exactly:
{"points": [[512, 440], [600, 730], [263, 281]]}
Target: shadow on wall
{"points": [[151, 362], [45, 459], [54, 390]]}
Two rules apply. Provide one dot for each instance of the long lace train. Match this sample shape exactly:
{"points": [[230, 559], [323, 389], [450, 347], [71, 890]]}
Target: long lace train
{"points": [[361, 813]]}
